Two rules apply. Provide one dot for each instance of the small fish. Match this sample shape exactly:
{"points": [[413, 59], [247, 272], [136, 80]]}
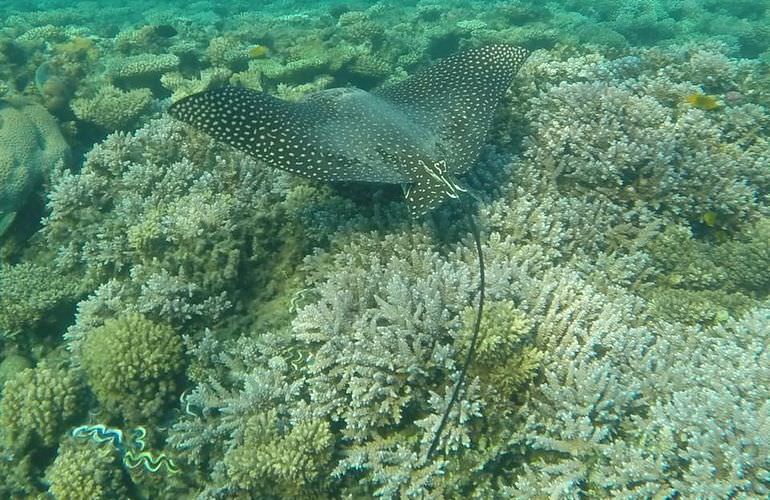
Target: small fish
{"points": [[702, 101], [420, 132], [259, 51], [709, 218]]}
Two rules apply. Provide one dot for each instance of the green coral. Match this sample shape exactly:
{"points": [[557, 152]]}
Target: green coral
{"points": [[367, 69], [746, 259], [132, 365], [37, 405], [693, 307], [30, 292], [11, 365], [505, 359], [275, 460], [86, 471], [705, 282], [19, 477], [178, 228]]}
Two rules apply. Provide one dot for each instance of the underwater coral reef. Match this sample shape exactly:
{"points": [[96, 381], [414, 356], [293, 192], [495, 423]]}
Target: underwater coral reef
{"points": [[180, 320]]}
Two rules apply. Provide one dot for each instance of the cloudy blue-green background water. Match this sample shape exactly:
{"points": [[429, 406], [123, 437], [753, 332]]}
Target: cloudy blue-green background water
{"points": [[180, 320]]}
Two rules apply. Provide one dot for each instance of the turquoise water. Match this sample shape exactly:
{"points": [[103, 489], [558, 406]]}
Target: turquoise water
{"points": [[201, 304]]}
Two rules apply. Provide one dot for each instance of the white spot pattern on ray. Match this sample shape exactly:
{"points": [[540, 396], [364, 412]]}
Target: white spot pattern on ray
{"points": [[421, 131]]}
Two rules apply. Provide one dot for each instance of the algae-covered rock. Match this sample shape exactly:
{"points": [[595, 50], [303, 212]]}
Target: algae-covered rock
{"points": [[30, 145]]}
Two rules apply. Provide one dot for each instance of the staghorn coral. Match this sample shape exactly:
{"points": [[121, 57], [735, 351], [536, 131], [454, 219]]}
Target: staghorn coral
{"points": [[687, 436], [359, 355], [654, 83], [372, 352], [746, 259], [149, 237], [701, 282], [632, 148], [132, 365], [556, 256], [380, 349]]}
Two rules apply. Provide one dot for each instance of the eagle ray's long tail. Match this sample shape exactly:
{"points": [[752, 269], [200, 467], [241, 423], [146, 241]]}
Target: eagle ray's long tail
{"points": [[472, 349]]}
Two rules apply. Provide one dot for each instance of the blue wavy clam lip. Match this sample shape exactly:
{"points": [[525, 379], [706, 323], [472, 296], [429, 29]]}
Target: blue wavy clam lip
{"points": [[420, 133]]}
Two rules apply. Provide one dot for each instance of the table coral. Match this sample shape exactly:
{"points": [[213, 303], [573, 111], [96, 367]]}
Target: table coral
{"points": [[112, 108], [144, 68], [30, 145], [180, 86], [133, 365]]}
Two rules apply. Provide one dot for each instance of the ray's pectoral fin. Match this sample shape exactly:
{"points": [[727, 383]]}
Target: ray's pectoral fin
{"points": [[431, 186]]}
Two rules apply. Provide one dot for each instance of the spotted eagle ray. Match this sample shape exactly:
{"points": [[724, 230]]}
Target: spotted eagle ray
{"points": [[421, 133]]}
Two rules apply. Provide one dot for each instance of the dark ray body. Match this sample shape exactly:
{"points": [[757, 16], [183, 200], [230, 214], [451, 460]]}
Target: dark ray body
{"points": [[420, 132]]}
